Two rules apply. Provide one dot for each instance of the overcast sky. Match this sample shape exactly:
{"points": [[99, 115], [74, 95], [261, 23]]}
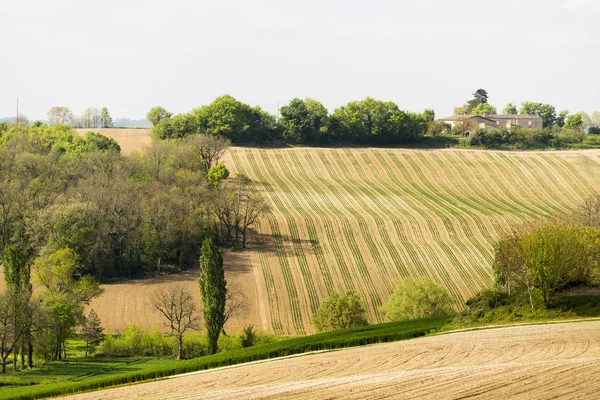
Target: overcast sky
{"points": [[132, 55]]}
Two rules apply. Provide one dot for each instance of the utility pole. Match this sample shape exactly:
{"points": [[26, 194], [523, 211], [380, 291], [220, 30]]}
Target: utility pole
{"points": [[17, 111]]}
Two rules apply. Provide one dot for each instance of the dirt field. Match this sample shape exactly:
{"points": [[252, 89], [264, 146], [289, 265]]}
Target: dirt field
{"points": [[363, 219], [130, 140], [127, 302], [528, 362]]}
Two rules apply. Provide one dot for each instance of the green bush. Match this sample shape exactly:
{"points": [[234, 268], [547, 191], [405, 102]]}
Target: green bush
{"points": [[135, 343], [340, 312], [417, 298]]}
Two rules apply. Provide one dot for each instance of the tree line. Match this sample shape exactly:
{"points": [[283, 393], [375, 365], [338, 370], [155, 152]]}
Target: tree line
{"points": [[302, 121]]}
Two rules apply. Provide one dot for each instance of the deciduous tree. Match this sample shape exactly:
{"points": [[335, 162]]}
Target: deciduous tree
{"points": [[178, 307], [157, 114], [60, 115], [66, 293], [510, 109]]}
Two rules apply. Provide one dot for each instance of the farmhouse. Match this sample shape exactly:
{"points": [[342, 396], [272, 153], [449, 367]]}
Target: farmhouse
{"points": [[491, 121]]}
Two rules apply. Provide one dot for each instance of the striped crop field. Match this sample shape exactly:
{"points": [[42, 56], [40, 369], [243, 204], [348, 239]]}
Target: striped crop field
{"points": [[363, 219]]}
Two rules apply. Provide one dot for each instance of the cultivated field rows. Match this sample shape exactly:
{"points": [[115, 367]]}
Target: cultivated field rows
{"points": [[362, 219], [526, 362]]}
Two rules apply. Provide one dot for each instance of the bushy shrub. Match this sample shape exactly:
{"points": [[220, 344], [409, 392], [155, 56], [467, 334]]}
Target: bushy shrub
{"points": [[194, 345], [417, 298], [339, 312], [135, 343]]}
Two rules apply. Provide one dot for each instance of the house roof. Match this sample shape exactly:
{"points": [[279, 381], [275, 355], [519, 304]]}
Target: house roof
{"points": [[467, 116], [489, 117], [514, 116]]}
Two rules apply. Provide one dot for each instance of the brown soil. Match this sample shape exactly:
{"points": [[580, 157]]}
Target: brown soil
{"points": [[130, 302], [130, 140], [526, 362]]}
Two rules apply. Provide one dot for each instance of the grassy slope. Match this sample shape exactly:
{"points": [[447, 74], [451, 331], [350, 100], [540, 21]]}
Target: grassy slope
{"points": [[363, 219], [80, 374]]}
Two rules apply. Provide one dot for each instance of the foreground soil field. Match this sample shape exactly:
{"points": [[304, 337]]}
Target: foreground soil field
{"points": [[528, 362]]}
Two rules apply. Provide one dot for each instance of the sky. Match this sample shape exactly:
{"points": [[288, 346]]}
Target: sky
{"points": [[132, 55]]}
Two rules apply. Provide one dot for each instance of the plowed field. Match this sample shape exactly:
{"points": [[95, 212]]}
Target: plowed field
{"points": [[362, 219], [528, 362]]}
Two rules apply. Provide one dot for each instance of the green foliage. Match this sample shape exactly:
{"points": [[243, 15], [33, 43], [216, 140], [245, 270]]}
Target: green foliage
{"points": [[213, 292], [542, 259], [478, 105], [16, 264], [546, 111], [417, 298], [436, 128], [359, 336], [178, 127], [106, 120], [574, 122], [483, 108], [92, 332], [157, 114], [236, 121], [66, 292], [135, 343], [340, 312], [373, 121], [303, 121], [96, 142], [217, 173], [510, 109]]}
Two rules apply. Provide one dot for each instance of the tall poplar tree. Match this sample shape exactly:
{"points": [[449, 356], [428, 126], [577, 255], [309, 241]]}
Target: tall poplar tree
{"points": [[213, 292]]}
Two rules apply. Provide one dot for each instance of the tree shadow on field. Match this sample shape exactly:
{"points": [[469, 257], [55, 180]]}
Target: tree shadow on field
{"points": [[281, 244]]}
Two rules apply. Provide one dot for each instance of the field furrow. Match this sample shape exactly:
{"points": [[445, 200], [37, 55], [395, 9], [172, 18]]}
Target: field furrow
{"points": [[362, 219]]}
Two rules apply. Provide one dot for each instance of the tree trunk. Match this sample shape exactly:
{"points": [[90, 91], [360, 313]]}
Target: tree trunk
{"points": [[58, 352], [29, 352], [180, 347], [244, 238], [15, 357], [86, 347], [23, 345]]}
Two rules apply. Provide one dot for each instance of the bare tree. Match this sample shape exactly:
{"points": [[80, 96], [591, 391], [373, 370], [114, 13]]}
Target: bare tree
{"points": [[179, 309], [589, 213], [60, 115], [210, 148], [236, 303], [249, 205]]}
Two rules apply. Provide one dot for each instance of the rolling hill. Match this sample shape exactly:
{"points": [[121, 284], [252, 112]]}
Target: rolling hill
{"points": [[363, 219]]}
